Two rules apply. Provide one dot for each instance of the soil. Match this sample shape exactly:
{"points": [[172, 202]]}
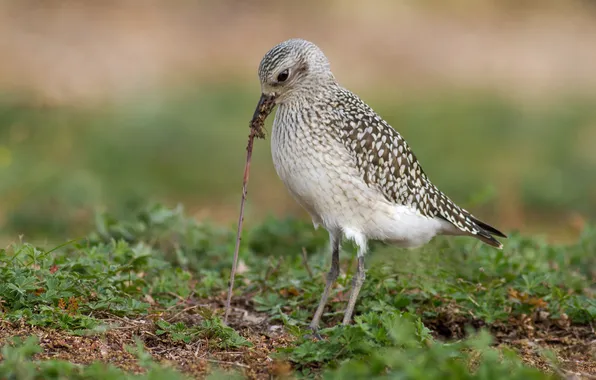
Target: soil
{"points": [[574, 345]]}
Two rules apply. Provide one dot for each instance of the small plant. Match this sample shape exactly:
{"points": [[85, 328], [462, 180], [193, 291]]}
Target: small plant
{"points": [[210, 327]]}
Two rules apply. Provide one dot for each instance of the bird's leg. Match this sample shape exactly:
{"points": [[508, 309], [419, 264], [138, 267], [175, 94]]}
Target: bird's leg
{"points": [[357, 282], [331, 277]]}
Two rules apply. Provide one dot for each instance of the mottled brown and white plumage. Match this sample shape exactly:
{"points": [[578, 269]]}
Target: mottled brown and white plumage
{"points": [[354, 174]]}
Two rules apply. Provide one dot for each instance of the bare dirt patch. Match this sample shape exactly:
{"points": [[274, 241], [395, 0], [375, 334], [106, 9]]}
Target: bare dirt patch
{"points": [[573, 345], [530, 335], [196, 359]]}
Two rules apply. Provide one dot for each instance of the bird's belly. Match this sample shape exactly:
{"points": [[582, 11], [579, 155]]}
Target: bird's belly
{"points": [[313, 179], [333, 192]]}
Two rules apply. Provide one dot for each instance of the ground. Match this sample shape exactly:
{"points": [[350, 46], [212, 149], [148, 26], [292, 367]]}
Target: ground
{"points": [[121, 295], [574, 345]]}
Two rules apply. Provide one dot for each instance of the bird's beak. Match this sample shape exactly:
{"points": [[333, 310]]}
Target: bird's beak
{"points": [[264, 108]]}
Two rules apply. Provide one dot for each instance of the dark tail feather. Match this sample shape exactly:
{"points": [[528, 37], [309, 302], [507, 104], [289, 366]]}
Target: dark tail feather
{"points": [[486, 233], [490, 229], [487, 238]]}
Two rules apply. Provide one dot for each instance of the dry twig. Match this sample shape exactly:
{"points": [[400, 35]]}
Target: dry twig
{"points": [[253, 133], [305, 260], [227, 363]]}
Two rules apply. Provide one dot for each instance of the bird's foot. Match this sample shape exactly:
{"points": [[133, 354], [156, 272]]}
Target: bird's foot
{"points": [[314, 334]]}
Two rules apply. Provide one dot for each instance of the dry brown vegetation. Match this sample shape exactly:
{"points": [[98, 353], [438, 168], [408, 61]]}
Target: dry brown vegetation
{"points": [[70, 51]]}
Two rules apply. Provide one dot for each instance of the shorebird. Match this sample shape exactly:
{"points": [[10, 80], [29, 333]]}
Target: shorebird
{"points": [[347, 167]]}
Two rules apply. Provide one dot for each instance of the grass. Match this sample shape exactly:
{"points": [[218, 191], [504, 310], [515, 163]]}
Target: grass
{"points": [[141, 297]]}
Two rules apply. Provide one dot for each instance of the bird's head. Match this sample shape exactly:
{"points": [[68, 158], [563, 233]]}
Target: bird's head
{"points": [[290, 67]]}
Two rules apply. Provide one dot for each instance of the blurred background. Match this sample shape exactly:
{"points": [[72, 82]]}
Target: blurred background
{"points": [[106, 105]]}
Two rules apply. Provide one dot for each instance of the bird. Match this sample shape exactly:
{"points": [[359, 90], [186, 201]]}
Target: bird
{"points": [[347, 167]]}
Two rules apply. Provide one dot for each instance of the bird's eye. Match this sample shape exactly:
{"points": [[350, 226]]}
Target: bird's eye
{"points": [[283, 76]]}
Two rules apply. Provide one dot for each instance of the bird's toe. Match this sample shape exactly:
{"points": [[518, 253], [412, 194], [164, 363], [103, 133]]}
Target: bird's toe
{"points": [[313, 334]]}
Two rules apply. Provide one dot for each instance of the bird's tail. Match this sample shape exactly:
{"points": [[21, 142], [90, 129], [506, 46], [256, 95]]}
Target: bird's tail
{"points": [[485, 233], [467, 224]]}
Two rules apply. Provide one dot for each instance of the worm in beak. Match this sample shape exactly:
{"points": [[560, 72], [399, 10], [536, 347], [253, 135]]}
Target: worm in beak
{"points": [[264, 108]]}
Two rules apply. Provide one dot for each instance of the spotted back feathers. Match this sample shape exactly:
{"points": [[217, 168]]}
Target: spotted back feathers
{"points": [[385, 161]]}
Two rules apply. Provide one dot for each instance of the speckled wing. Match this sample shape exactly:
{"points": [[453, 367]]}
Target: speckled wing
{"points": [[386, 161]]}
